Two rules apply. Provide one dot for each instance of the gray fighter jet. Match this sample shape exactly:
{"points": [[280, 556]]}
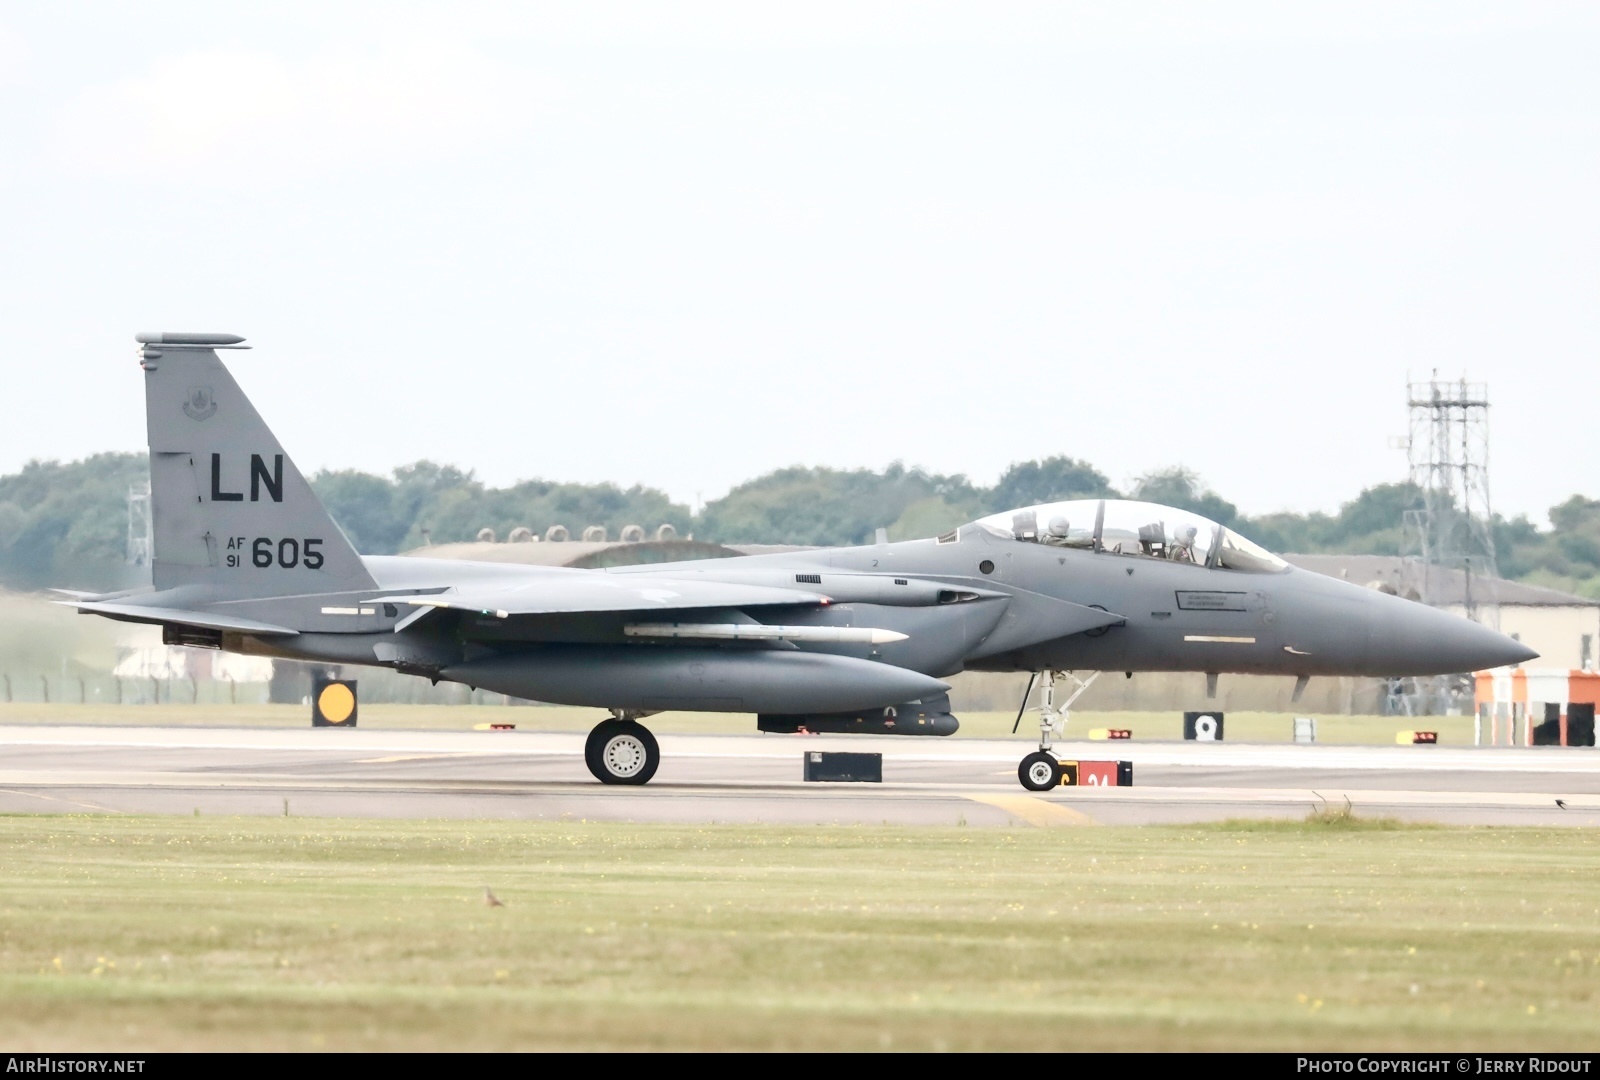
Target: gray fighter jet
{"points": [[833, 640]]}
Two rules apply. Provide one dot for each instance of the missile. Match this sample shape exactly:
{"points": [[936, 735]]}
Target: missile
{"points": [[761, 632], [169, 338]]}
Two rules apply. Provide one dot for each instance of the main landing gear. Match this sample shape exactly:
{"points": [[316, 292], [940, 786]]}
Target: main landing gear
{"points": [[1040, 771], [621, 750]]}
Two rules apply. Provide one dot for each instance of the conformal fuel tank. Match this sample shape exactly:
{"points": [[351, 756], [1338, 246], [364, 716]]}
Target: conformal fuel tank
{"points": [[705, 680]]}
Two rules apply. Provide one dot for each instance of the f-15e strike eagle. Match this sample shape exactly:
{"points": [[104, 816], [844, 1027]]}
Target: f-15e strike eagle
{"points": [[852, 639]]}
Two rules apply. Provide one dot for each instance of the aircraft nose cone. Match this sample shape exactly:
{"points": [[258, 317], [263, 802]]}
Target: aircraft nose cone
{"points": [[1409, 638]]}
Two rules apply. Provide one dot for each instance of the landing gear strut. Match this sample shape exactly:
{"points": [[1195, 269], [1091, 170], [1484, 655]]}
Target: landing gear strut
{"points": [[1040, 771], [622, 751]]}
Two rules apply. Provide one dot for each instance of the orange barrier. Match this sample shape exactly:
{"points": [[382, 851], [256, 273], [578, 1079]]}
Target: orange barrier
{"points": [[1520, 697], [1097, 774]]}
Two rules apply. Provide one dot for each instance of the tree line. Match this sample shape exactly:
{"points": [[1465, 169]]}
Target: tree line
{"points": [[65, 524]]}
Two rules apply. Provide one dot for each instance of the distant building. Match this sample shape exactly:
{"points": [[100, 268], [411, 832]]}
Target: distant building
{"points": [[1563, 627], [166, 662]]}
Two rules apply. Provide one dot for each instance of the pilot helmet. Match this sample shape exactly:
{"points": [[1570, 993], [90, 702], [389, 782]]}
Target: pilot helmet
{"points": [[1058, 527]]}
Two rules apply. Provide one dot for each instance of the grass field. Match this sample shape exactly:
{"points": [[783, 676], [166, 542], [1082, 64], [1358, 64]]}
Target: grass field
{"points": [[1240, 726], [129, 933]]}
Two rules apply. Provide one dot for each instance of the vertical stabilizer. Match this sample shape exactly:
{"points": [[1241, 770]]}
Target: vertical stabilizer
{"points": [[230, 509]]}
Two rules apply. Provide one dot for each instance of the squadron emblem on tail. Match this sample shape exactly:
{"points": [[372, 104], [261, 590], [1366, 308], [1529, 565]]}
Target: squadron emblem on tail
{"points": [[200, 404]]}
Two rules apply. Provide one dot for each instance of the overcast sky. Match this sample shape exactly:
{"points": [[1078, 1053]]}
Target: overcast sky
{"points": [[681, 245]]}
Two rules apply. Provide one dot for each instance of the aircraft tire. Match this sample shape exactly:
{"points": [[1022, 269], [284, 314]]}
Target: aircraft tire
{"points": [[1039, 772], [622, 752]]}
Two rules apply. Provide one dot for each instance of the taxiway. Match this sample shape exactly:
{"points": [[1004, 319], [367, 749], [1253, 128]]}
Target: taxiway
{"points": [[757, 778]]}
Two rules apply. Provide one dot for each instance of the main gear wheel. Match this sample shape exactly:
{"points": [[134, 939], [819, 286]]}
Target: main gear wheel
{"points": [[622, 752]]}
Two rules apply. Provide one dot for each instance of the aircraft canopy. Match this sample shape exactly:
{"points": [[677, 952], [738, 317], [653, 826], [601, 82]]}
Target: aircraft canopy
{"points": [[1139, 529]]}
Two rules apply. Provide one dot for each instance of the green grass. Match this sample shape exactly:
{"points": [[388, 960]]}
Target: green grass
{"points": [[1240, 726], [1336, 817], [170, 933]]}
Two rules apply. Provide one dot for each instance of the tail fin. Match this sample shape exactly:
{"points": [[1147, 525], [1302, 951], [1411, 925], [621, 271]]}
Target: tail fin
{"points": [[230, 509]]}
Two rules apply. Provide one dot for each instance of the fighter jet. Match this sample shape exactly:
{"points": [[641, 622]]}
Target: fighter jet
{"points": [[856, 639]]}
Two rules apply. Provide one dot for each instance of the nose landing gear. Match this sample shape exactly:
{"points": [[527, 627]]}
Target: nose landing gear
{"points": [[1040, 771], [622, 751]]}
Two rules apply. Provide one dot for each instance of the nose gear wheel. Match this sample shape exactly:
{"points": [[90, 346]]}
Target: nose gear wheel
{"points": [[1039, 771]]}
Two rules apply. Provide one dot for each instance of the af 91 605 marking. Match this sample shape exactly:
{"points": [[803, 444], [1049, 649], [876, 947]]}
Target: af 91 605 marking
{"points": [[266, 551]]}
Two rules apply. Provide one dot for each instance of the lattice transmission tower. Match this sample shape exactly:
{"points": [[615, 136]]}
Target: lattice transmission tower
{"points": [[1449, 540], [140, 525], [1453, 532]]}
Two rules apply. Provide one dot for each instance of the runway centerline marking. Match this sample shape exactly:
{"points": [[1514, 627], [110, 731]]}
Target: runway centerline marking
{"points": [[1034, 811]]}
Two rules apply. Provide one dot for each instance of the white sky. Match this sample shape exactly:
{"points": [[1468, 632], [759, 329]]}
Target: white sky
{"points": [[683, 244]]}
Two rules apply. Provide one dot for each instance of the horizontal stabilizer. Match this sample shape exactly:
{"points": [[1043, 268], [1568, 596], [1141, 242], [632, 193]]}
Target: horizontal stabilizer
{"points": [[205, 619], [586, 592]]}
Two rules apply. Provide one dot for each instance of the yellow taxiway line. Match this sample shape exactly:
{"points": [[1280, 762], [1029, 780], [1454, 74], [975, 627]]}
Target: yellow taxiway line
{"points": [[1034, 811]]}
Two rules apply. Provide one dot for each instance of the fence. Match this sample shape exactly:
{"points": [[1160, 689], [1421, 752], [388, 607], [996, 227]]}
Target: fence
{"points": [[378, 686], [101, 688]]}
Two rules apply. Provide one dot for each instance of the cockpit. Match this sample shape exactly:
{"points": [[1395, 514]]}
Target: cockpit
{"points": [[1135, 529]]}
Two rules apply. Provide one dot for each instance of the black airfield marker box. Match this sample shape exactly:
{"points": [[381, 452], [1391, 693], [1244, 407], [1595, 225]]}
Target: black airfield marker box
{"points": [[843, 768], [333, 703]]}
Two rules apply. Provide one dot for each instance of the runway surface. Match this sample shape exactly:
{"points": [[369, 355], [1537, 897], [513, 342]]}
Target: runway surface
{"points": [[757, 778]]}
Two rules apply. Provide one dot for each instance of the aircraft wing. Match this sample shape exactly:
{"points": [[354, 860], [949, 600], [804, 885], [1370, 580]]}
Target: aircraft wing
{"points": [[602, 593]]}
